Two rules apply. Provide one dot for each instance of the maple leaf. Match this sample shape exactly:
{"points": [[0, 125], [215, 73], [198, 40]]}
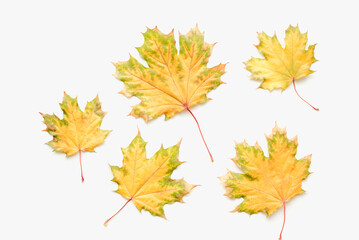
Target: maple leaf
{"points": [[282, 66], [172, 82], [267, 183], [147, 182], [78, 131]]}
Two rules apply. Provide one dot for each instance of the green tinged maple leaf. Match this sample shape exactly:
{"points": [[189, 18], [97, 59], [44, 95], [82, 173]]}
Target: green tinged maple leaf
{"points": [[78, 131], [174, 80]]}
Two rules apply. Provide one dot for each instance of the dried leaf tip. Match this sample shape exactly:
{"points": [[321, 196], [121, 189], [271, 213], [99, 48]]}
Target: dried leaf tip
{"points": [[179, 143], [138, 132], [257, 146], [276, 130]]}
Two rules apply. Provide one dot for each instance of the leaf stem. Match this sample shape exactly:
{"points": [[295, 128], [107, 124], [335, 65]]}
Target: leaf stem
{"points": [[280, 236], [293, 80], [117, 212], [82, 175], [200, 133]]}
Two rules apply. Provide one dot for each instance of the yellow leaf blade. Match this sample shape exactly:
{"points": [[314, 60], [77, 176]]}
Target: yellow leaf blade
{"points": [[77, 131], [147, 182], [282, 66], [266, 183], [173, 81]]}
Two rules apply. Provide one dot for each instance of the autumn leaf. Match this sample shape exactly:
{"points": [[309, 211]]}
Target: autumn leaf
{"points": [[78, 131], [280, 67], [147, 182], [173, 81], [267, 183]]}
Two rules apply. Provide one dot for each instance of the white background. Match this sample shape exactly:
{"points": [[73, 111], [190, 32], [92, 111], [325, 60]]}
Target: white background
{"points": [[48, 47]]}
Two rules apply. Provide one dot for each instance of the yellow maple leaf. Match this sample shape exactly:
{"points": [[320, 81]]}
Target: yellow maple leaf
{"points": [[147, 182], [78, 131], [173, 81], [267, 183], [280, 67]]}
